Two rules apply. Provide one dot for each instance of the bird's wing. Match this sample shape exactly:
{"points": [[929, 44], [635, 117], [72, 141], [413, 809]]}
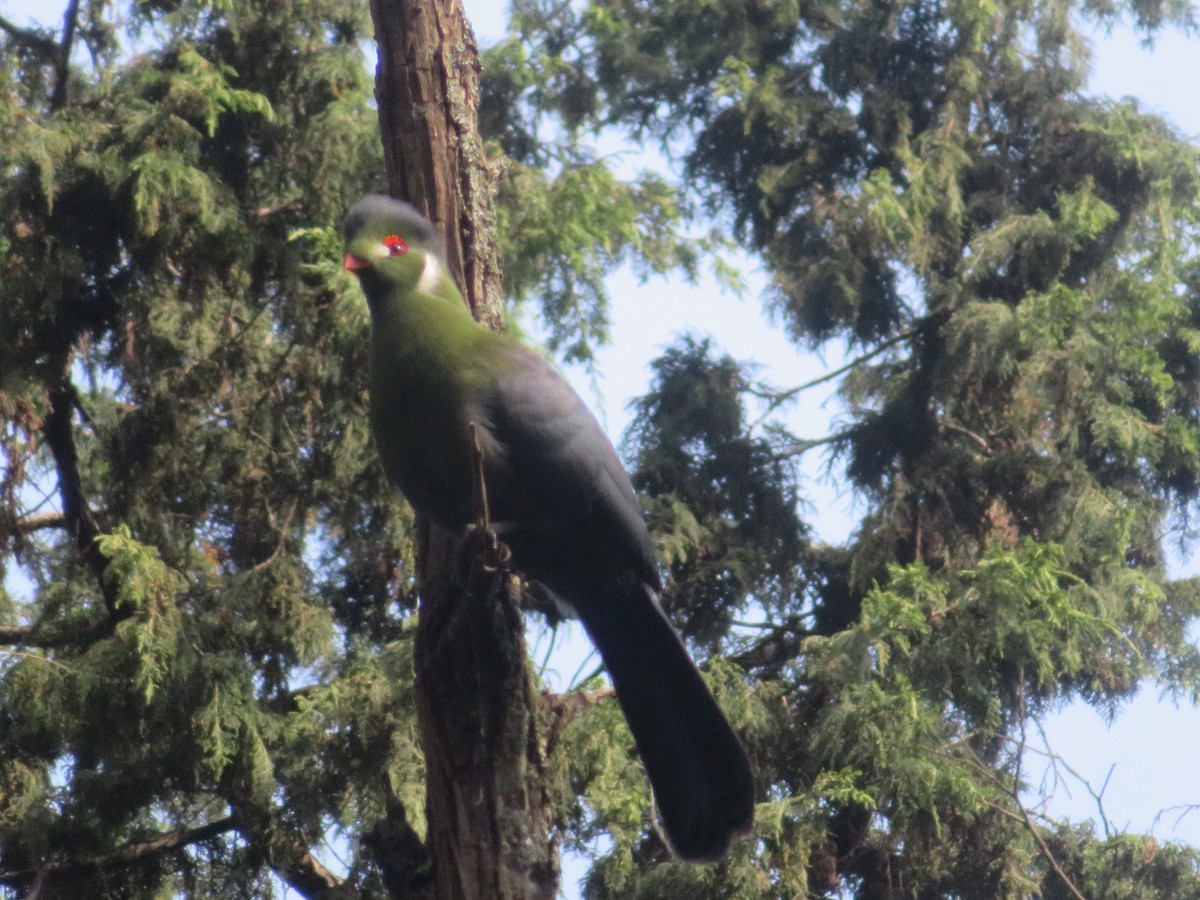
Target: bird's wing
{"points": [[556, 486], [574, 523]]}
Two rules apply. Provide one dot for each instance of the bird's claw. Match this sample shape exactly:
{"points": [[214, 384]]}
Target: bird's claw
{"points": [[488, 546], [481, 535]]}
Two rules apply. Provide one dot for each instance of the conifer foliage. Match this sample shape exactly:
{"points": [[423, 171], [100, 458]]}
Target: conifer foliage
{"points": [[1011, 268], [183, 414], [206, 616]]}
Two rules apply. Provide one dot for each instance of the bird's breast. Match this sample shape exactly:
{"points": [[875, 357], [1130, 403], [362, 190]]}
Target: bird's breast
{"points": [[420, 420]]}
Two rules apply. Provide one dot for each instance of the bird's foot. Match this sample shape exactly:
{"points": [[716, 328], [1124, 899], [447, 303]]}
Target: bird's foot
{"points": [[487, 546]]}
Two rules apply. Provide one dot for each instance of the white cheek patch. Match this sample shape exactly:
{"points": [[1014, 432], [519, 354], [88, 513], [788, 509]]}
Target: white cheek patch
{"points": [[431, 275]]}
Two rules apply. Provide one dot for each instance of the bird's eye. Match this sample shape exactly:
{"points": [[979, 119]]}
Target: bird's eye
{"points": [[396, 245]]}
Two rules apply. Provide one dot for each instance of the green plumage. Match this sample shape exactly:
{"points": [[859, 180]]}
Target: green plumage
{"points": [[558, 496]]}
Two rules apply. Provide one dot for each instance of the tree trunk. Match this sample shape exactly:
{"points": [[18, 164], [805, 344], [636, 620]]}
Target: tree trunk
{"points": [[427, 88], [487, 804], [486, 800]]}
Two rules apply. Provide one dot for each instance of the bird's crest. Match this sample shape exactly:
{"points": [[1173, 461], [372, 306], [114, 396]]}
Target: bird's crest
{"points": [[376, 209]]}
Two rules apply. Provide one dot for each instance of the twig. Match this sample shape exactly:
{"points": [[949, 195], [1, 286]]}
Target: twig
{"points": [[1020, 753], [264, 212], [479, 479], [1183, 809], [968, 433], [1046, 851], [1098, 796], [776, 399], [1013, 791], [1022, 815], [757, 626], [804, 446], [494, 554], [1016, 793], [21, 654]]}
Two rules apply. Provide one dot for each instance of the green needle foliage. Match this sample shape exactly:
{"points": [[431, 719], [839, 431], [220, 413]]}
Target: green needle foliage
{"points": [[206, 619], [190, 672]]}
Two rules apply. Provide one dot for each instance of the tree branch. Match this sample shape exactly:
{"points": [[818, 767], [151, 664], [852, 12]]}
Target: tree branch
{"points": [[772, 650], [62, 63], [291, 859], [1047, 853], [1057, 761], [32, 39], [1030, 825], [15, 634], [58, 634], [305, 874], [130, 854], [284, 851], [401, 855], [77, 516], [562, 709], [776, 399], [36, 522], [801, 447], [968, 433]]}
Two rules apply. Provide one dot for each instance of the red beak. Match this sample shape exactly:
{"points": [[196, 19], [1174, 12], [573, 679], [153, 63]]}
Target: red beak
{"points": [[352, 263]]}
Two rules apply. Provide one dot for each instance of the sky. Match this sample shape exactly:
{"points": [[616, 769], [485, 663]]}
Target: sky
{"points": [[1144, 758]]}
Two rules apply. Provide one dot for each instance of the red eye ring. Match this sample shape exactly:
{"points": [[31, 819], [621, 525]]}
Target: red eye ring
{"points": [[396, 245]]}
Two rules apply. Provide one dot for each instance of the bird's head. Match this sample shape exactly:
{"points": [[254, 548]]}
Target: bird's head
{"points": [[390, 244]]}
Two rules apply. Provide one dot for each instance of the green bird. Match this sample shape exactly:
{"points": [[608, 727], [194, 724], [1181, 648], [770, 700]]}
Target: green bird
{"points": [[558, 497]]}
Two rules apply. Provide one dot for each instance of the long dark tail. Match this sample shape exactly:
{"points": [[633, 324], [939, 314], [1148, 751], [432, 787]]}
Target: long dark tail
{"points": [[700, 774]]}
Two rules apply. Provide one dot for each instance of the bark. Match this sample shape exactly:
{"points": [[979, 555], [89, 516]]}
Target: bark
{"points": [[487, 807], [427, 88], [487, 800]]}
